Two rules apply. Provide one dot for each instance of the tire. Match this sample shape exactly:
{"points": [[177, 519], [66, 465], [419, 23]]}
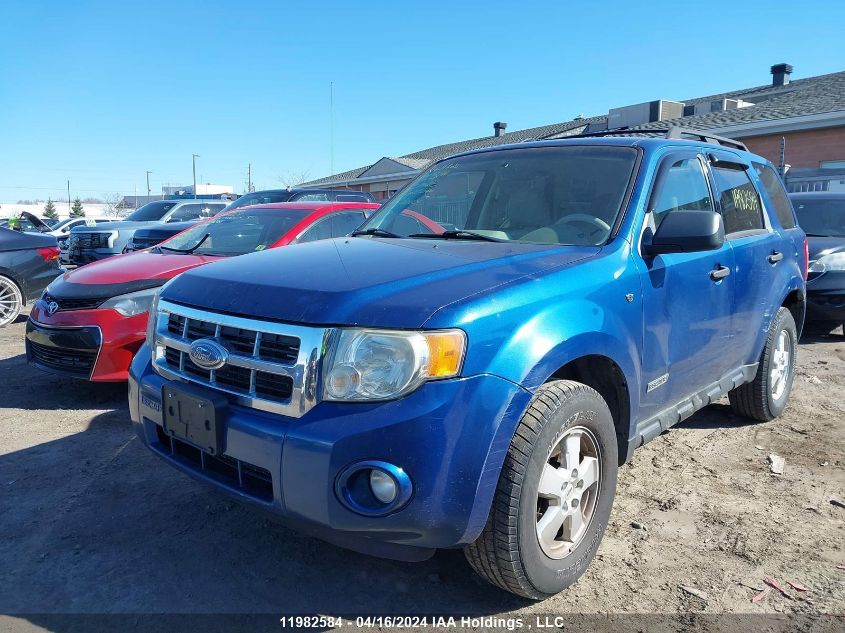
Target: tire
{"points": [[765, 397], [510, 553], [11, 301]]}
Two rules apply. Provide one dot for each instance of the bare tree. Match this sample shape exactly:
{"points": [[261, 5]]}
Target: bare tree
{"points": [[291, 178], [112, 202]]}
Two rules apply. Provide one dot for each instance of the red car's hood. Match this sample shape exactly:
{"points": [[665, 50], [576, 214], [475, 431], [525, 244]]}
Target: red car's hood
{"points": [[122, 274], [135, 266]]}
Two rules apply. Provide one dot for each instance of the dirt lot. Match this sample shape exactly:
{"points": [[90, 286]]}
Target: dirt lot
{"points": [[91, 522]]}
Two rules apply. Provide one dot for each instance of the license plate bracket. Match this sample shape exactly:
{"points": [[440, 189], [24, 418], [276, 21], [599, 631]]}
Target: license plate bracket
{"points": [[195, 415]]}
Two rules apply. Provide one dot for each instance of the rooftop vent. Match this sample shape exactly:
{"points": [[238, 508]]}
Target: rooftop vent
{"points": [[499, 128], [780, 74], [641, 113]]}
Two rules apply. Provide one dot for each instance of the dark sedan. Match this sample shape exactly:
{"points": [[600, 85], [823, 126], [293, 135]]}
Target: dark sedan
{"points": [[28, 262], [822, 216]]}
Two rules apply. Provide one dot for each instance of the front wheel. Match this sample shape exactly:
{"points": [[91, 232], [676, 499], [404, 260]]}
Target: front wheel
{"points": [[765, 397], [554, 495], [11, 301]]}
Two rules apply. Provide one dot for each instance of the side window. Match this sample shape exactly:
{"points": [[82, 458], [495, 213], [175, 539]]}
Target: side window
{"points": [[680, 185], [187, 212], [311, 197], [741, 206], [320, 230], [351, 197], [346, 222], [774, 188]]}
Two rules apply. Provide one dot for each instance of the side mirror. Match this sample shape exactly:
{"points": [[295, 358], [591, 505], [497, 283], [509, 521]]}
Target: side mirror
{"points": [[687, 232]]}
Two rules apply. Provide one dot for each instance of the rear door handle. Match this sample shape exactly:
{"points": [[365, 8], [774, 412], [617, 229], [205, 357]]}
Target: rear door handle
{"points": [[775, 257], [719, 273]]}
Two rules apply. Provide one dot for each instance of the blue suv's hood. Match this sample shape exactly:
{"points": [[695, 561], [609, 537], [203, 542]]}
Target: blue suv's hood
{"points": [[362, 281]]}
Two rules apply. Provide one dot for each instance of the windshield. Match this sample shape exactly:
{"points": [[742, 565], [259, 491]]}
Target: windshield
{"points": [[259, 197], [237, 233], [150, 212], [548, 195], [821, 217]]}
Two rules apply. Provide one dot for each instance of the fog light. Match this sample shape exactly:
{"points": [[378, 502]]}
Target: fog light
{"points": [[383, 486]]}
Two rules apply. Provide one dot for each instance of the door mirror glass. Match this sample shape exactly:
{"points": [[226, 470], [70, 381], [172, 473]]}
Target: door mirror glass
{"points": [[688, 232]]}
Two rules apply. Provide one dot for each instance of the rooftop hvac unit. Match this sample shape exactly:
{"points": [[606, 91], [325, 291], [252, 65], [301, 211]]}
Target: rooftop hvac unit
{"points": [[649, 112]]}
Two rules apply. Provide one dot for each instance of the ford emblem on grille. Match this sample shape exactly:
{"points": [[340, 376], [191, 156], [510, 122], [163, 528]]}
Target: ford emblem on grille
{"points": [[208, 354]]}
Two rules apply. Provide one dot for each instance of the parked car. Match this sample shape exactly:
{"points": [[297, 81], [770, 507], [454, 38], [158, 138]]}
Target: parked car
{"points": [[822, 216], [91, 321], [301, 194], [89, 244], [28, 262], [27, 223], [63, 227], [150, 236], [478, 386]]}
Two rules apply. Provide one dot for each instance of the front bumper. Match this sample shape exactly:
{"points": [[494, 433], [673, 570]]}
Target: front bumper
{"points": [[70, 333], [826, 297], [450, 437], [67, 351]]}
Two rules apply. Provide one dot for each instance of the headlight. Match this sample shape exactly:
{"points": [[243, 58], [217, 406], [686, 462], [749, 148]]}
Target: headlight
{"points": [[834, 261], [133, 303], [387, 364]]}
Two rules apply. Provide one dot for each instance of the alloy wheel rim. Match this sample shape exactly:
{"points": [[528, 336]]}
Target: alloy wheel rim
{"points": [[781, 365], [9, 301], [568, 492]]}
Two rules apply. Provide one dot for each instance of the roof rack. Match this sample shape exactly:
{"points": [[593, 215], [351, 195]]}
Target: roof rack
{"points": [[673, 132]]}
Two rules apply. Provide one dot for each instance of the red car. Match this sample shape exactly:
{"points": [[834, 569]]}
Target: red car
{"points": [[90, 322]]}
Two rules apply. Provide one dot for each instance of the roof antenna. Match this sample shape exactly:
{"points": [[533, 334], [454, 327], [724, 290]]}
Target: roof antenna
{"points": [[331, 127]]}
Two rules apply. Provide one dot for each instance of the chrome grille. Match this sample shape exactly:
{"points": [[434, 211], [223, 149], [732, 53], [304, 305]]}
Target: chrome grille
{"points": [[270, 366]]}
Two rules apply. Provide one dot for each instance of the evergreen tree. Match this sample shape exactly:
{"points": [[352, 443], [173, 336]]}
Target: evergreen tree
{"points": [[76, 211], [50, 210]]}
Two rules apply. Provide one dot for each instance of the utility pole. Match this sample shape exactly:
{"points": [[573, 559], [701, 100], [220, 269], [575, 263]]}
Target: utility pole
{"points": [[249, 178], [68, 196], [194, 161], [148, 183]]}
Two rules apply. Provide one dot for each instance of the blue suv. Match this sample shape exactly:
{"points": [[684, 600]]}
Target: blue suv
{"points": [[471, 367]]}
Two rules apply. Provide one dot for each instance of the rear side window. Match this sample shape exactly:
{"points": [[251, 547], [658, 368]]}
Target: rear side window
{"points": [[351, 197], [741, 206], [346, 222], [774, 188], [681, 186], [320, 230], [311, 197]]}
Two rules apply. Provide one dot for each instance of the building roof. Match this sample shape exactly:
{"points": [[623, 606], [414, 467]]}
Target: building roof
{"points": [[799, 98]]}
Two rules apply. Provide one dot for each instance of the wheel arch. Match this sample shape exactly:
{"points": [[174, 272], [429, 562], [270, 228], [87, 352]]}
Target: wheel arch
{"points": [[796, 302], [604, 375]]}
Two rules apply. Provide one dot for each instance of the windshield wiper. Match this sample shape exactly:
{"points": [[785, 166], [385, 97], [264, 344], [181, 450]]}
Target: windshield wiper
{"points": [[459, 234], [376, 232], [187, 251]]}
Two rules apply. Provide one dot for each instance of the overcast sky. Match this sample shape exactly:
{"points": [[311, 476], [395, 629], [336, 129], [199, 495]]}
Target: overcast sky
{"points": [[99, 92]]}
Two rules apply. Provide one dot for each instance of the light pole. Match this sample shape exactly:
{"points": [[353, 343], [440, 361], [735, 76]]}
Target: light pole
{"points": [[148, 183], [195, 157]]}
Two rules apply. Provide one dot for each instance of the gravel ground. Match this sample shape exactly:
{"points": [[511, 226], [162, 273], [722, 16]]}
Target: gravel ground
{"points": [[92, 523]]}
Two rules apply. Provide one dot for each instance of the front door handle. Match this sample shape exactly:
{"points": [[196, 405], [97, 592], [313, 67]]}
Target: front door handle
{"points": [[775, 257], [719, 273]]}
